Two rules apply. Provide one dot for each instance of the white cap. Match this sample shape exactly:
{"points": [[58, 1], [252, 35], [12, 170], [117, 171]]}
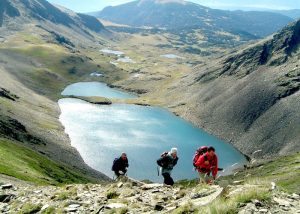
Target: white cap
{"points": [[173, 150]]}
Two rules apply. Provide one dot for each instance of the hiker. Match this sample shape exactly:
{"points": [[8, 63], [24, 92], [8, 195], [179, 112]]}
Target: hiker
{"points": [[207, 165], [167, 162], [120, 165]]}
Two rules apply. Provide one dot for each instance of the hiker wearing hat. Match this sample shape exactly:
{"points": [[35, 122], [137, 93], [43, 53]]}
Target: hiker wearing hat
{"points": [[120, 165], [207, 165], [167, 161]]}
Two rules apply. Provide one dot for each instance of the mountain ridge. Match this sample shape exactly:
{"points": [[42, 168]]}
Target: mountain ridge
{"points": [[172, 14], [41, 10]]}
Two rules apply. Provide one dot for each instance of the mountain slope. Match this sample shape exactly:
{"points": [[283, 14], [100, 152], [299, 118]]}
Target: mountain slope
{"points": [[251, 97], [42, 49], [181, 14], [16, 14]]}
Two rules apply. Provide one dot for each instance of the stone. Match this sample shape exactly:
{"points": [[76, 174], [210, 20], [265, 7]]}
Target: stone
{"points": [[285, 208], [239, 205], [44, 207], [6, 198], [74, 205], [202, 194], [263, 211], [257, 203], [6, 186], [150, 186], [273, 186], [295, 196], [158, 207], [238, 182], [69, 209], [120, 185], [282, 202], [115, 206]]}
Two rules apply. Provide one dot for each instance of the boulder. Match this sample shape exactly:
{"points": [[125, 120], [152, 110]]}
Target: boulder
{"points": [[6, 186], [115, 206], [6, 198], [151, 186]]}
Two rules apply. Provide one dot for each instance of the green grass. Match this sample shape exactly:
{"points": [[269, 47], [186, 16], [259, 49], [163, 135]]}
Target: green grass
{"points": [[186, 209], [22, 163], [49, 210], [284, 171], [112, 194], [29, 208], [231, 205]]}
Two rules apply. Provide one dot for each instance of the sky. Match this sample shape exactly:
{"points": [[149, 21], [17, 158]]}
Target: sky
{"points": [[96, 5]]}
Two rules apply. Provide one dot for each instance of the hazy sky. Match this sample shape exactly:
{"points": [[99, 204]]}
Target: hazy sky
{"points": [[95, 5]]}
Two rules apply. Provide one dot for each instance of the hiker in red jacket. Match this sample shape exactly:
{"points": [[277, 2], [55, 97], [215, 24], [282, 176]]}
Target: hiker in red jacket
{"points": [[207, 164]]}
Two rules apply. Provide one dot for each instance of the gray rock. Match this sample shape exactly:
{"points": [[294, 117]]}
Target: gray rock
{"points": [[115, 206], [69, 209], [44, 207], [74, 206], [295, 196], [257, 203], [282, 202], [263, 211], [285, 208], [6, 186], [6, 198]]}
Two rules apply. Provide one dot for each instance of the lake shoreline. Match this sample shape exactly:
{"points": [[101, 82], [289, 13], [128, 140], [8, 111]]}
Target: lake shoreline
{"points": [[102, 101]]}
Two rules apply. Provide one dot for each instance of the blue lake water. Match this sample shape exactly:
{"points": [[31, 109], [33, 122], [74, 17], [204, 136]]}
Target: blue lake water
{"points": [[95, 89], [100, 133]]}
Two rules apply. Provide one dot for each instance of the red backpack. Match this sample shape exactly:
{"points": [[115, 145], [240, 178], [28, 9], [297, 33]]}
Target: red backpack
{"points": [[200, 151]]}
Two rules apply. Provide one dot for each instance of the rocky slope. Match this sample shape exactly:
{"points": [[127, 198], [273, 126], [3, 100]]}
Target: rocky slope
{"points": [[183, 14], [239, 194]]}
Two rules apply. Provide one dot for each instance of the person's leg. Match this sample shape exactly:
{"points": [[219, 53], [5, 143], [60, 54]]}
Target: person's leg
{"points": [[202, 177], [171, 181], [168, 180], [117, 174]]}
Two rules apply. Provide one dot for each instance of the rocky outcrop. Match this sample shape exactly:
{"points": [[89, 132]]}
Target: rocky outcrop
{"points": [[130, 196]]}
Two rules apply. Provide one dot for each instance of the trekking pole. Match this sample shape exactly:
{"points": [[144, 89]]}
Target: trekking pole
{"points": [[157, 171]]}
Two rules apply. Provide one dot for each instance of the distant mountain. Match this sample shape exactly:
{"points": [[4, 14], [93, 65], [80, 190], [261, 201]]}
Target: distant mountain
{"points": [[176, 14], [17, 12], [294, 14]]}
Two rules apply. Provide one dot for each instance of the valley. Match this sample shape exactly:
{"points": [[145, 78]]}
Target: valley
{"points": [[239, 86]]}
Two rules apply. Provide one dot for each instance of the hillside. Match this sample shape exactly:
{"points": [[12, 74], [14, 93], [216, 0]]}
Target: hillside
{"points": [[182, 14], [42, 49], [251, 97]]}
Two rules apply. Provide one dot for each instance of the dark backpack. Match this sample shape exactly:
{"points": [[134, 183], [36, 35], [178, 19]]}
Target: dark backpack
{"points": [[161, 160], [198, 153], [114, 163]]}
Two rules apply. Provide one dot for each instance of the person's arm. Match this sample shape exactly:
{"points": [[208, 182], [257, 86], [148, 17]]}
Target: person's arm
{"points": [[215, 167], [175, 161]]}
